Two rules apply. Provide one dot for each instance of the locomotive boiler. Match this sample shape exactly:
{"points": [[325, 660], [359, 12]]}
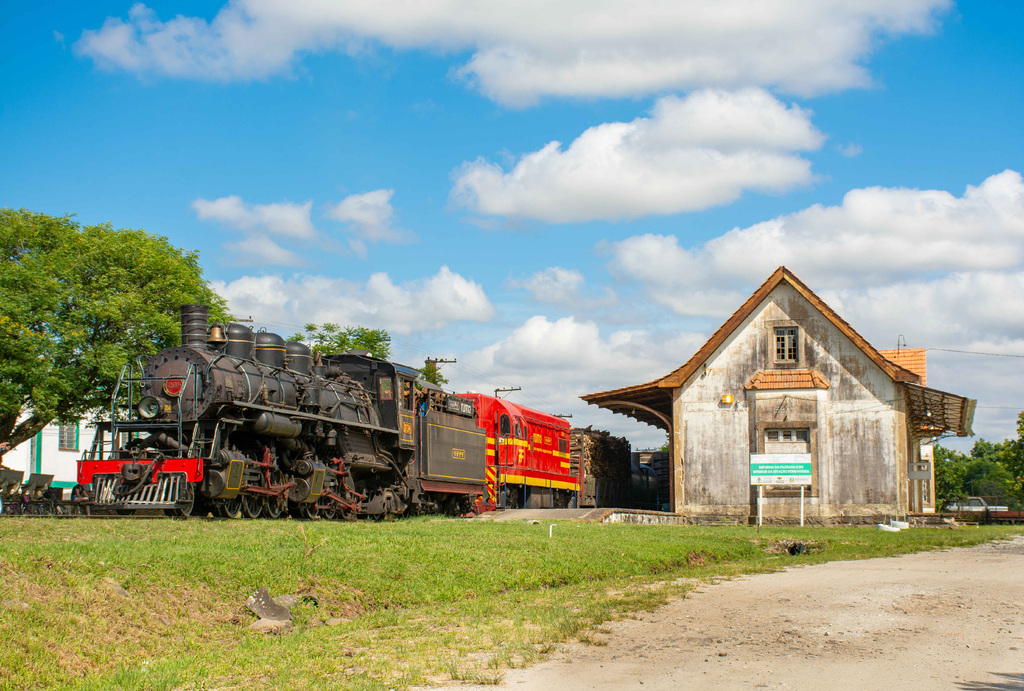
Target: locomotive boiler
{"points": [[243, 423]]}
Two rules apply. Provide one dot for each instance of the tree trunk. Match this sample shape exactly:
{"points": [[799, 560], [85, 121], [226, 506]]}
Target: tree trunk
{"points": [[28, 428]]}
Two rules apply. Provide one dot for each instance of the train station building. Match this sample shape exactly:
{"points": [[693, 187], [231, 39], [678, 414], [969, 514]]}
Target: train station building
{"points": [[786, 384]]}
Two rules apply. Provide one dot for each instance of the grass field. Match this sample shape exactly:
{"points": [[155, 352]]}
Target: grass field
{"points": [[160, 604]]}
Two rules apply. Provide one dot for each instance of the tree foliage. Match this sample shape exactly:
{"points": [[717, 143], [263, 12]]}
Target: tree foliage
{"points": [[330, 338], [76, 304], [432, 373], [994, 470], [950, 471]]}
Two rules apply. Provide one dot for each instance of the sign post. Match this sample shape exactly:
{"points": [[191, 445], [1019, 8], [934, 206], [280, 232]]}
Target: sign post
{"points": [[785, 469]]}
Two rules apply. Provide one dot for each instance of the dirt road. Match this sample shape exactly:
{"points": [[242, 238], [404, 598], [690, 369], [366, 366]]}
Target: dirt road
{"points": [[936, 620]]}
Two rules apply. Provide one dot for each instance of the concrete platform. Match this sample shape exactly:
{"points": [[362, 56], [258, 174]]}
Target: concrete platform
{"points": [[601, 515]]}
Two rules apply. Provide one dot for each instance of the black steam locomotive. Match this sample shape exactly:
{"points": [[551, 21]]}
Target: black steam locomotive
{"points": [[243, 423]]}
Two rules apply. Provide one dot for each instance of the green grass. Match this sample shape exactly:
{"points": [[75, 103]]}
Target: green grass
{"points": [[423, 600]]}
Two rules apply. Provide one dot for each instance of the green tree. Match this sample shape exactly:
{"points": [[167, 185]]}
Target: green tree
{"points": [[991, 480], [76, 304], [998, 468], [950, 472], [1013, 458], [432, 373], [330, 338]]}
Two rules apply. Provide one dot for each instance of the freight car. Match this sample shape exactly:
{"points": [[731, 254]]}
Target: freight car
{"points": [[611, 474], [242, 423]]}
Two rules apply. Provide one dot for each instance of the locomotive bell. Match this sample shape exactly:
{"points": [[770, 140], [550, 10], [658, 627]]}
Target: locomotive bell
{"points": [[216, 337]]}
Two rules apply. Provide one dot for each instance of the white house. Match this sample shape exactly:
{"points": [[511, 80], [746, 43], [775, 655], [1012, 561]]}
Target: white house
{"points": [[53, 451]]}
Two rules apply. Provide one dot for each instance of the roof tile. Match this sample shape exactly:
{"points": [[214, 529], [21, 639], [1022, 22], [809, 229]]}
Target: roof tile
{"points": [[912, 359], [786, 379]]}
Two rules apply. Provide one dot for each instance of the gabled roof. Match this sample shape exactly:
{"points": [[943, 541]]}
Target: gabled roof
{"points": [[782, 275], [657, 394]]}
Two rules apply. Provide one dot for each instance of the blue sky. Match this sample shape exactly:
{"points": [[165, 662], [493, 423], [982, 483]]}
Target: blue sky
{"points": [[567, 197]]}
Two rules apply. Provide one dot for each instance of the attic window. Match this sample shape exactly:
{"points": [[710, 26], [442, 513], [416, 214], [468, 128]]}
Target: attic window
{"points": [[786, 342]]}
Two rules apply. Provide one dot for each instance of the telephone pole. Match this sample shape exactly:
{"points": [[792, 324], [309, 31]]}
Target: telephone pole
{"points": [[514, 388]]}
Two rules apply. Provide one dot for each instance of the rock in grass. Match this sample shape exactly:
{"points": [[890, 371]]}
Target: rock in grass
{"points": [[272, 626], [264, 607], [14, 604], [116, 587], [288, 601]]}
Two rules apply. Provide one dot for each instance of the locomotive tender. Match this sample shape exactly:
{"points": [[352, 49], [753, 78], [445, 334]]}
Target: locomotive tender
{"points": [[244, 424]]}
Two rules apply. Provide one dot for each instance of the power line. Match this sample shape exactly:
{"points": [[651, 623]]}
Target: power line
{"points": [[974, 352]]}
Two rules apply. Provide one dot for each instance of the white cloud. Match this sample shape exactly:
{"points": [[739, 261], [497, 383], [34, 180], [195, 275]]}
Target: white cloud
{"points": [[286, 219], [259, 250], [370, 218], [525, 50], [966, 307], [555, 362], [553, 285], [876, 237], [421, 305], [691, 153]]}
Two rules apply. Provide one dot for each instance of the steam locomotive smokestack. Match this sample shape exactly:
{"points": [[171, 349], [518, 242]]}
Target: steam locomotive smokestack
{"points": [[193, 325]]}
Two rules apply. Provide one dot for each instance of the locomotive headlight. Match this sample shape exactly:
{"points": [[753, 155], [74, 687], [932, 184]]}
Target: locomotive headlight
{"points": [[148, 408]]}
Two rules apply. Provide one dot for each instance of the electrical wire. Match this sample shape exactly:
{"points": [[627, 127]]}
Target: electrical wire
{"points": [[974, 352]]}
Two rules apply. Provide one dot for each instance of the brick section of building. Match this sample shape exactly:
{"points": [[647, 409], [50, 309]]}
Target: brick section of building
{"points": [[912, 359]]}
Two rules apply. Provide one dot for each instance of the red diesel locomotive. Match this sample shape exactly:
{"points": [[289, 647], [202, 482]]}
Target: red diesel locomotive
{"points": [[528, 464]]}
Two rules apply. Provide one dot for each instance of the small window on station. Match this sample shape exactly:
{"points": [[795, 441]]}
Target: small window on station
{"points": [[786, 341], [793, 435]]}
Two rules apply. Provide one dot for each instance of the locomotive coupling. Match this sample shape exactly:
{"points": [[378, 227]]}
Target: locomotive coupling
{"points": [[131, 472]]}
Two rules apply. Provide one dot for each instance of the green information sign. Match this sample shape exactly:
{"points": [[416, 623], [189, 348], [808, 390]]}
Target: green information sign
{"points": [[780, 469]]}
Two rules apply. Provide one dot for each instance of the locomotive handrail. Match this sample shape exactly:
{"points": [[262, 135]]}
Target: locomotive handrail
{"points": [[190, 373], [128, 378], [117, 390]]}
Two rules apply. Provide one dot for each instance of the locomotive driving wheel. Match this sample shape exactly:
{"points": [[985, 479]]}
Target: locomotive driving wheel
{"points": [[252, 505], [274, 506], [231, 508]]}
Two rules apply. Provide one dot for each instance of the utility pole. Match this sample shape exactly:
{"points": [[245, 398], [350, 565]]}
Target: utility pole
{"points": [[564, 416], [514, 388], [439, 361]]}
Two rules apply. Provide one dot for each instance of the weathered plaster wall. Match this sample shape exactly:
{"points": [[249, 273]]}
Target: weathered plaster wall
{"points": [[857, 426]]}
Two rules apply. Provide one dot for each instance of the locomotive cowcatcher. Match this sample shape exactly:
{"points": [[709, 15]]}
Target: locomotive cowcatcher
{"points": [[243, 423]]}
